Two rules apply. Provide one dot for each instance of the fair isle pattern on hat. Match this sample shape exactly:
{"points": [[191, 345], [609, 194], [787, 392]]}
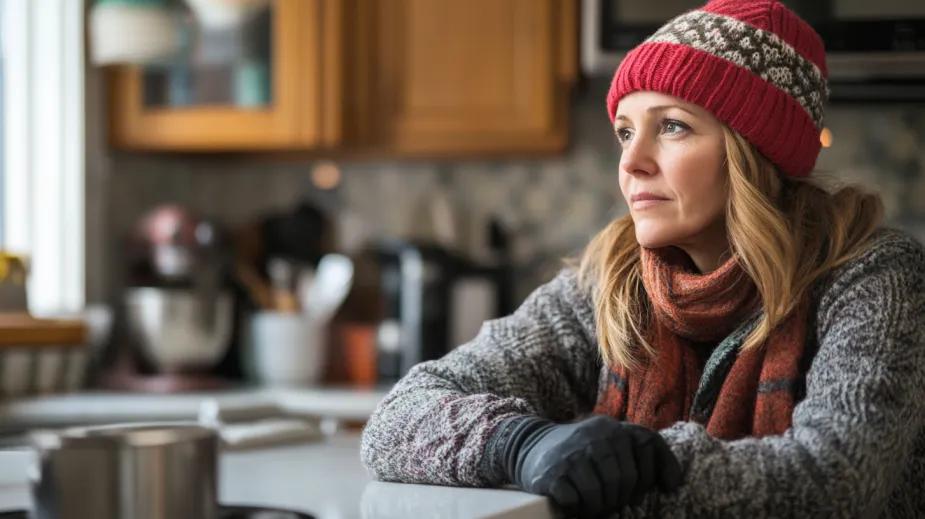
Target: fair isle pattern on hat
{"points": [[759, 51], [754, 64]]}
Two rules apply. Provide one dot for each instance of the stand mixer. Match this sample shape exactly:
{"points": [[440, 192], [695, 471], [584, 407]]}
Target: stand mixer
{"points": [[178, 310]]}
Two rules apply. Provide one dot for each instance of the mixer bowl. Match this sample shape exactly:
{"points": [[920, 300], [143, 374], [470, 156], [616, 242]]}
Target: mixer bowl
{"points": [[177, 330]]}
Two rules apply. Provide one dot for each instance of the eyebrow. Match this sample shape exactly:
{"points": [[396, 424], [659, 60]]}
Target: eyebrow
{"points": [[657, 109]]}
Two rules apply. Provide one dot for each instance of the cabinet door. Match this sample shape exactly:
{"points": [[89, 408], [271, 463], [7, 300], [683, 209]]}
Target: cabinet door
{"points": [[469, 76], [261, 86]]}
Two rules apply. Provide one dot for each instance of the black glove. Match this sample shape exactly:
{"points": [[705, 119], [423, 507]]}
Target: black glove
{"points": [[592, 467]]}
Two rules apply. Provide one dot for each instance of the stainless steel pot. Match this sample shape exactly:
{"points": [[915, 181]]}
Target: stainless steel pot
{"points": [[136, 471]]}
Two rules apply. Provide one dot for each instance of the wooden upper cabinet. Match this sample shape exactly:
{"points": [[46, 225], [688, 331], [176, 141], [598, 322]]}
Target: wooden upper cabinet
{"points": [[365, 77], [470, 76], [282, 91]]}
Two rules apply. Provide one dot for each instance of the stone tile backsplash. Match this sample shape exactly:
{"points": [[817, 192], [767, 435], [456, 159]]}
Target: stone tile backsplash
{"points": [[551, 206]]}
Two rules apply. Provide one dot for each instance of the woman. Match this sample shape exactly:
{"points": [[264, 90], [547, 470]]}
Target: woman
{"points": [[743, 343]]}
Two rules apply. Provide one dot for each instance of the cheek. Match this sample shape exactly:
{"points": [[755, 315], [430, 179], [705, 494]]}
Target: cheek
{"points": [[702, 193], [624, 186]]}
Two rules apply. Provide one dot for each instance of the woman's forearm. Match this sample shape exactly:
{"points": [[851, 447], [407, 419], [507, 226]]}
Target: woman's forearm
{"points": [[435, 424]]}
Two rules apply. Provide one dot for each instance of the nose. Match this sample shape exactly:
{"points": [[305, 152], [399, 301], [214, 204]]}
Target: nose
{"points": [[638, 157]]}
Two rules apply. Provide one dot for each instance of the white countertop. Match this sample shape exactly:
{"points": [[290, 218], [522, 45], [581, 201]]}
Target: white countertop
{"points": [[108, 407], [325, 479]]}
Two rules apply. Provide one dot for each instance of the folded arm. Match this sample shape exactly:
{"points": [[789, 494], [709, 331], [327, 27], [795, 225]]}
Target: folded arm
{"points": [[434, 425]]}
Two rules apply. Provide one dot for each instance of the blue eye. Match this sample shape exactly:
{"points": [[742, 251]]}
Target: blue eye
{"points": [[674, 126], [666, 126]]}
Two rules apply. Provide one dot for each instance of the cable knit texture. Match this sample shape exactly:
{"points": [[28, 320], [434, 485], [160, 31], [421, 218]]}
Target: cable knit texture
{"points": [[856, 447]]}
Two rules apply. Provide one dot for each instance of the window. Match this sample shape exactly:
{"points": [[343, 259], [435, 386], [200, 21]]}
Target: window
{"points": [[42, 149], [2, 118]]}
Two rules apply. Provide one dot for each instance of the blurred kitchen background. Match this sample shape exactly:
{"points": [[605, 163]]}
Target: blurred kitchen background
{"points": [[175, 185]]}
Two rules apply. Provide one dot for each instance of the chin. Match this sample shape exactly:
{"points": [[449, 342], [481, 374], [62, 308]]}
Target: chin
{"points": [[653, 237], [652, 242]]}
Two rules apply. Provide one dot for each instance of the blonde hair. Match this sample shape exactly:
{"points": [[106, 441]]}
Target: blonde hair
{"points": [[786, 232]]}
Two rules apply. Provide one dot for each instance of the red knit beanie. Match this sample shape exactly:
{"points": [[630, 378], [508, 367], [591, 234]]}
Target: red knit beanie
{"points": [[754, 64]]}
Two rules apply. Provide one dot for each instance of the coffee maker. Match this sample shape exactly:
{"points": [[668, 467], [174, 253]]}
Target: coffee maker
{"points": [[433, 299]]}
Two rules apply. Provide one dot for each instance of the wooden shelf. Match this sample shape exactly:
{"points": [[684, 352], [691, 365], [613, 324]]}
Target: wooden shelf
{"points": [[23, 330]]}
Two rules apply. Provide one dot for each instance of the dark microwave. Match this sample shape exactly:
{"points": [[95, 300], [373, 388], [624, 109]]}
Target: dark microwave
{"points": [[875, 50]]}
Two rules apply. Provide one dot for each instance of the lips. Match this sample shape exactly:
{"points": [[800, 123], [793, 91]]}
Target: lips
{"points": [[646, 196]]}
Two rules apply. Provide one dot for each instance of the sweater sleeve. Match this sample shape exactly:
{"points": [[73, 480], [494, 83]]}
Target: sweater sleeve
{"points": [[435, 424], [853, 434]]}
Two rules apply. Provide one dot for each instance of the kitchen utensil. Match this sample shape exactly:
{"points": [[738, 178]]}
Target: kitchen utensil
{"points": [[286, 349], [248, 251], [282, 278], [172, 330], [332, 282], [142, 471], [303, 285], [258, 290]]}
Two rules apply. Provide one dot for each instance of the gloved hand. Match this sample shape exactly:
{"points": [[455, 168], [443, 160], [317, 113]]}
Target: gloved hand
{"points": [[592, 467]]}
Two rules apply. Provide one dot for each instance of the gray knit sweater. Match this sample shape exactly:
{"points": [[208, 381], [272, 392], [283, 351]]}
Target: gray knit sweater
{"points": [[856, 447]]}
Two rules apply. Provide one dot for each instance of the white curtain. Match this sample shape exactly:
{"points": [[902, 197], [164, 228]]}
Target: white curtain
{"points": [[43, 191]]}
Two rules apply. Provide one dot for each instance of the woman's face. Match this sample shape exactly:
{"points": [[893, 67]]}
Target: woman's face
{"points": [[673, 150]]}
